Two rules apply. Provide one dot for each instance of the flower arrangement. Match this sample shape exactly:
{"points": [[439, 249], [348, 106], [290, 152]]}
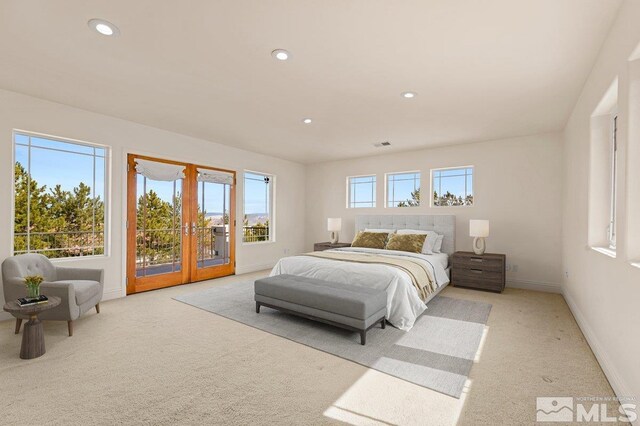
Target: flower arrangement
{"points": [[33, 285]]}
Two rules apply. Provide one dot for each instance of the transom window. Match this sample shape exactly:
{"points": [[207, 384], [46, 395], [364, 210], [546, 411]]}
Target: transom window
{"points": [[362, 191], [403, 189], [59, 197], [452, 186], [258, 208]]}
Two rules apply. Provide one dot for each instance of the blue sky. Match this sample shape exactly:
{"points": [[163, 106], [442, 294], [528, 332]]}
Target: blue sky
{"points": [[68, 170]]}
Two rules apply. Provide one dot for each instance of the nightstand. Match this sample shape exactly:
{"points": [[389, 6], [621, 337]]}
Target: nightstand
{"points": [[479, 271], [328, 245]]}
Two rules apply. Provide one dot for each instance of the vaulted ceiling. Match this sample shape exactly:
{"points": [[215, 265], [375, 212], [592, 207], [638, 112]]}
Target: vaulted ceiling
{"points": [[481, 69]]}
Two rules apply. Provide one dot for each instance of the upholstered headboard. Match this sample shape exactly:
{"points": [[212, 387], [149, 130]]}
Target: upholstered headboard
{"points": [[442, 224]]}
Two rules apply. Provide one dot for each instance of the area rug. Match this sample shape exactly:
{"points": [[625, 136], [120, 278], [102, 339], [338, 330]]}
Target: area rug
{"points": [[437, 353]]}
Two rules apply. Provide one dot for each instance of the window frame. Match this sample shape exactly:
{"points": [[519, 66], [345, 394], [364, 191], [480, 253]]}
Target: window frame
{"points": [[374, 191], [106, 186], [386, 188], [473, 177], [271, 206]]}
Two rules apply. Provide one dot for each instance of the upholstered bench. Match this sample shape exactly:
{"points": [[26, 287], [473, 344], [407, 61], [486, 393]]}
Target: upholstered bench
{"points": [[342, 305]]}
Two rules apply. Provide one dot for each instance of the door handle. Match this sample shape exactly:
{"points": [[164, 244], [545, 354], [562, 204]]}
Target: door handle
{"points": [[193, 228], [186, 228]]}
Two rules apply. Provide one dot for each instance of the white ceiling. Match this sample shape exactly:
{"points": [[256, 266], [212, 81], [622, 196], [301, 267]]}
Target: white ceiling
{"points": [[482, 69]]}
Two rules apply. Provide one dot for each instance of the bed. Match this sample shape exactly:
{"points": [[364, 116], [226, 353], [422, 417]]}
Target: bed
{"points": [[404, 303]]}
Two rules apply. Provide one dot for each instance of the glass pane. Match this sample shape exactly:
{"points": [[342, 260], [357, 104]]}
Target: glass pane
{"points": [[362, 191], [61, 213], [21, 139], [21, 185], [403, 190], [65, 146], [158, 227], [454, 187], [214, 201], [256, 221]]}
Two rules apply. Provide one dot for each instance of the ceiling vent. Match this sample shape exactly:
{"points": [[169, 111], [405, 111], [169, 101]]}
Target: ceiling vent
{"points": [[381, 144]]}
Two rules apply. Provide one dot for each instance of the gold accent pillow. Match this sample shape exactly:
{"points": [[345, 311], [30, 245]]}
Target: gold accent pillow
{"points": [[376, 240], [407, 242]]}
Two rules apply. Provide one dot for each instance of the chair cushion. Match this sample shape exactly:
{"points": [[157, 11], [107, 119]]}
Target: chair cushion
{"points": [[28, 264], [84, 289]]}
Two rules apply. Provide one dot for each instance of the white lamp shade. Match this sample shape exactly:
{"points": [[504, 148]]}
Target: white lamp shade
{"points": [[334, 224], [478, 228]]}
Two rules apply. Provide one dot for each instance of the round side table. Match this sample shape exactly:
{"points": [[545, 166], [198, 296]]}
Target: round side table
{"points": [[33, 334]]}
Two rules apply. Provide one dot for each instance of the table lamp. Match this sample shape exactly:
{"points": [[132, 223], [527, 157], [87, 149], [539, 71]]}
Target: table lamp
{"points": [[479, 229], [334, 225]]}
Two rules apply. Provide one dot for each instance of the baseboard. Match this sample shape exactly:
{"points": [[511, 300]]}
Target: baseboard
{"points": [[535, 286], [246, 269], [615, 379], [112, 294]]}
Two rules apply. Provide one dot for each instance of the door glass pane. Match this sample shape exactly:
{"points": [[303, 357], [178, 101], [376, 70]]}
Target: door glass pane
{"points": [[213, 224], [158, 227]]}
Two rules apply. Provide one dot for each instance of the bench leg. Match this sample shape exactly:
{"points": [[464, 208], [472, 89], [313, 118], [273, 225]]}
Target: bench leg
{"points": [[363, 337], [257, 307], [383, 323]]}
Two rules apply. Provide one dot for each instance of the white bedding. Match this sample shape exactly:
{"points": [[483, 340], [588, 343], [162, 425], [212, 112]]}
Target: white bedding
{"points": [[404, 305]]}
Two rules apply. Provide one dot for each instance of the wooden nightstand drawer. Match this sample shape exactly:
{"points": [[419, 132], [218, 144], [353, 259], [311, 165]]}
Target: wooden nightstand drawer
{"points": [[479, 274], [483, 272], [477, 262], [478, 284]]}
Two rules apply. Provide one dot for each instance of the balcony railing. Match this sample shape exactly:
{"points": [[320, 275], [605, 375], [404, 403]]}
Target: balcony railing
{"points": [[252, 234], [60, 244], [160, 246]]}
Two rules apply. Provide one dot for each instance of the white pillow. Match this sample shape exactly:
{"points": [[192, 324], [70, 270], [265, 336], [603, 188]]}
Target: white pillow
{"points": [[429, 243], [438, 246]]}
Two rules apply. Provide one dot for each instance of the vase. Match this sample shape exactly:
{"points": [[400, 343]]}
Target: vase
{"points": [[33, 290]]}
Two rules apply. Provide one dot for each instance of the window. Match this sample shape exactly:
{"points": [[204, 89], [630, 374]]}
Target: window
{"points": [[258, 210], [452, 187], [403, 189], [59, 197], [362, 191], [614, 184], [604, 159]]}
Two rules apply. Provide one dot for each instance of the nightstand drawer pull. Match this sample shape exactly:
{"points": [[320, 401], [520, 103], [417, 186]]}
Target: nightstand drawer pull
{"points": [[476, 271], [476, 259]]}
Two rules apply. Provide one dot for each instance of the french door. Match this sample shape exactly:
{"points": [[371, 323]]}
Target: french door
{"points": [[180, 223]]}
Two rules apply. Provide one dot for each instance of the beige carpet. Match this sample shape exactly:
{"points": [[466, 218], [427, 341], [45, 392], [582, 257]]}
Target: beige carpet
{"points": [[148, 359]]}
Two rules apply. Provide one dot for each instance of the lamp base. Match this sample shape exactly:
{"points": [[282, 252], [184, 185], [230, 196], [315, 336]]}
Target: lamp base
{"points": [[478, 245], [334, 237]]}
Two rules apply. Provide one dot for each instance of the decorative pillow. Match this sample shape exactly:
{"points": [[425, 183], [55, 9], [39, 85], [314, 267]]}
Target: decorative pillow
{"points": [[430, 241], [376, 240], [438, 246], [407, 242]]}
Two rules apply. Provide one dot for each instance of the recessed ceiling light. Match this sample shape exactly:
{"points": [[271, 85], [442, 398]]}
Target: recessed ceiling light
{"points": [[103, 27], [307, 121], [281, 54], [409, 95]]}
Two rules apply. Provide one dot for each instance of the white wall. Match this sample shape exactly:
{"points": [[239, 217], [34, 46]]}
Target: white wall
{"points": [[604, 292], [27, 113], [517, 186]]}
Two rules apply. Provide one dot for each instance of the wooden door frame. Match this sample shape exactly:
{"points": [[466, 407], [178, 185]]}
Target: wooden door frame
{"points": [[222, 270], [189, 271]]}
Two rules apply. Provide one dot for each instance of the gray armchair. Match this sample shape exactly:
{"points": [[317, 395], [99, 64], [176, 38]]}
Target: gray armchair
{"points": [[80, 289]]}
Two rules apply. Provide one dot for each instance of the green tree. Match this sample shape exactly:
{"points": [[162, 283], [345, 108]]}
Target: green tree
{"points": [[414, 201]]}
